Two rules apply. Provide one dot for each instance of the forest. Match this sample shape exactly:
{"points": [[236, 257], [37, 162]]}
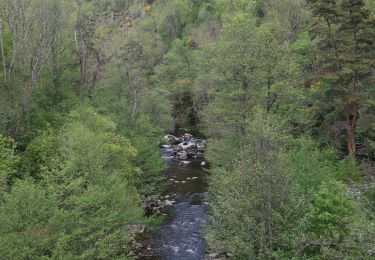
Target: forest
{"points": [[283, 91]]}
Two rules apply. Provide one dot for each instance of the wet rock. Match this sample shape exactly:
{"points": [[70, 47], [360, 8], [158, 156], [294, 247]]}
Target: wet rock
{"points": [[136, 230], [187, 145], [170, 139], [200, 147], [182, 148], [182, 155], [184, 162], [200, 155], [187, 136], [169, 202], [203, 163], [157, 205], [212, 256], [181, 235]]}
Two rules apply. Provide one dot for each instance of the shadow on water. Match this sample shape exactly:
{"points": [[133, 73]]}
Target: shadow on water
{"points": [[180, 236]]}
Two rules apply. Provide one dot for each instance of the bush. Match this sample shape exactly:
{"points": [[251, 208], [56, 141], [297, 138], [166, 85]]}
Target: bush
{"points": [[25, 222], [8, 163]]}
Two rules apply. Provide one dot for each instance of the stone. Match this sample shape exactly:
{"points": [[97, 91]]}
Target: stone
{"points": [[187, 145], [169, 202], [187, 136], [184, 162], [182, 155], [213, 255], [170, 139], [203, 163]]}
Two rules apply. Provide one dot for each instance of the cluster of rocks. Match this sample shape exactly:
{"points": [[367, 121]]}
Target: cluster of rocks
{"points": [[156, 205], [184, 148], [136, 231]]}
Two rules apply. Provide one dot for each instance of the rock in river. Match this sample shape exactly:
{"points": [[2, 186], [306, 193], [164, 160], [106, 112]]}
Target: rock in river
{"points": [[182, 155], [170, 139]]}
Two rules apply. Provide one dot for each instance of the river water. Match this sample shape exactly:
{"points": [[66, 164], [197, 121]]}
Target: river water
{"points": [[180, 236]]}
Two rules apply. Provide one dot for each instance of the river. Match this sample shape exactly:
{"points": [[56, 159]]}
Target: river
{"points": [[180, 236]]}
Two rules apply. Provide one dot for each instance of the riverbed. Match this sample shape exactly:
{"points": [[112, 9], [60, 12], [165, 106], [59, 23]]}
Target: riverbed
{"points": [[180, 236]]}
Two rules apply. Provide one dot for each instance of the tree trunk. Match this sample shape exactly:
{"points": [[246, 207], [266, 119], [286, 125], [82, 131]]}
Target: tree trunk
{"points": [[351, 120], [2, 53]]}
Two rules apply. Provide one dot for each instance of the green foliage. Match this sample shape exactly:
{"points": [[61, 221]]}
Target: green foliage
{"points": [[144, 134], [91, 147], [172, 18], [344, 46], [95, 184], [8, 163], [26, 214], [176, 74], [106, 212], [249, 203], [349, 171], [39, 155], [370, 195], [337, 226], [88, 202], [330, 210], [278, 87], [148, 159]]}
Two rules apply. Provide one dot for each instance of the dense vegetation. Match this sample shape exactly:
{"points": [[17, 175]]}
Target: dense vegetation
{"points": [[284, 90]]}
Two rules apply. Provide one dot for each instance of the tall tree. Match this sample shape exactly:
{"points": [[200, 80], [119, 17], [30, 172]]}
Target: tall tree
{"points": [[345, 66], [31, 25]]}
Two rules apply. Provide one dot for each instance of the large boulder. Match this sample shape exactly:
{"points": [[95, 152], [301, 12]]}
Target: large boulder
{"points": [[187, 137], [187, 145], [170, 139]]}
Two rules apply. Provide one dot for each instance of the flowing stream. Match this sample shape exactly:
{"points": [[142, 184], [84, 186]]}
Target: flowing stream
{"points": [[180, 236]]}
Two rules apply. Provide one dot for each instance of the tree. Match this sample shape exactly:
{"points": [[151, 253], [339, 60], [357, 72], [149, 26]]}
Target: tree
{"points": [[95, 183], [32, 32], [241, 77], [249, 204], [176, 74], [345, 67], [26, 214], [90, 49]]}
